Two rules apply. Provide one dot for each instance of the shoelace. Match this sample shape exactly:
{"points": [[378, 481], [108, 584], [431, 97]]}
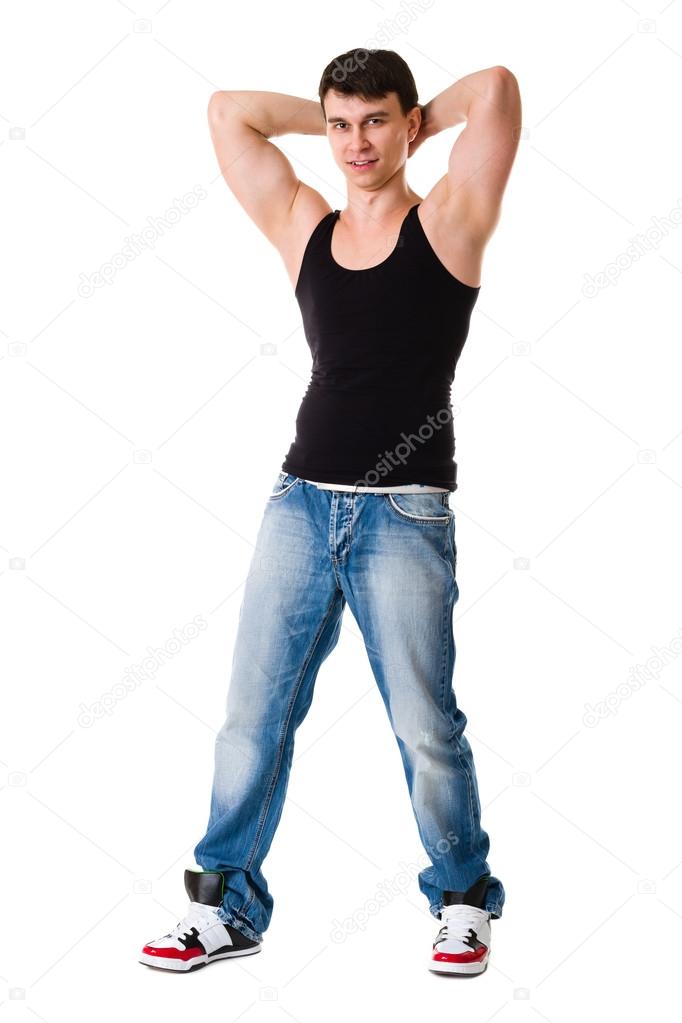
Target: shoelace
{"points": [[458, 920], [199, 916]]}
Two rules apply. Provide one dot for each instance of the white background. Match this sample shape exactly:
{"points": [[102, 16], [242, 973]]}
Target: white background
{"points": [[143, 427]]}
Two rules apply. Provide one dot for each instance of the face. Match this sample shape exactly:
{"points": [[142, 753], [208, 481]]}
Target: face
{"points": [[373, 130]]}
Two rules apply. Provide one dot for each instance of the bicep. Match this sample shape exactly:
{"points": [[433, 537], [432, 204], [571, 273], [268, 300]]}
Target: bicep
{"points": [[483, 154], [257, 172]]}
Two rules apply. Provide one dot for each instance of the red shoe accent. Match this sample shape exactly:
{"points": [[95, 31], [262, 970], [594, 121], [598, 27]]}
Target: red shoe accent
{"points": [[172, 953], [460, 957]]}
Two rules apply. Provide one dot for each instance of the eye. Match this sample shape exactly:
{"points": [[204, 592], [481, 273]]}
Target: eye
{"points": [[340, 124]]}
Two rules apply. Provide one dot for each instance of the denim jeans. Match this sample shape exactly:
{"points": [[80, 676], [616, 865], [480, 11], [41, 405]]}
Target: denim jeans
{"points": [[392, 558]]}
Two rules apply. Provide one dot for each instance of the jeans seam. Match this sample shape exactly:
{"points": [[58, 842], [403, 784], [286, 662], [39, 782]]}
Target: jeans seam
{"points": [[285, 732], [447, 623], [470, 793]]}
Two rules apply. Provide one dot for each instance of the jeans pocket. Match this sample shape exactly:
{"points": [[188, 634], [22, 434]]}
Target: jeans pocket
{"points": [[425, 508], [285, 482]]}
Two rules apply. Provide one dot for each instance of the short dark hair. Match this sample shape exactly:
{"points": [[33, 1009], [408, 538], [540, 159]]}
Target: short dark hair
{"points": [[370, 74]]}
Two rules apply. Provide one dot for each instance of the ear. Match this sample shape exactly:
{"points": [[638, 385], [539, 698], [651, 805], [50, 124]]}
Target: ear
{"points": [[414, 120]]}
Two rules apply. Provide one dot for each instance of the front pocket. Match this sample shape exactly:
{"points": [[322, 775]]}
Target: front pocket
{"points": [[421, 507], [282, 485]]}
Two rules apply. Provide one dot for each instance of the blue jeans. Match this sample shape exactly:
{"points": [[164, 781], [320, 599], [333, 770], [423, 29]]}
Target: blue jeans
{"points": [[393, 558]]}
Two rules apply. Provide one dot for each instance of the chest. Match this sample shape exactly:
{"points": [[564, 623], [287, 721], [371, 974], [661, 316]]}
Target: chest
{"points": [[358, 251]]}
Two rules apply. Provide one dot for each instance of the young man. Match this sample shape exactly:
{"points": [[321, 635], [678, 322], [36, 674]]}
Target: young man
{"points": [[359, 513]]}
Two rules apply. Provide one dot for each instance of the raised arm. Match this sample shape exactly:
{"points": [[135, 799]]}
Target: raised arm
{"points": [[482, 156], [257, 171]]}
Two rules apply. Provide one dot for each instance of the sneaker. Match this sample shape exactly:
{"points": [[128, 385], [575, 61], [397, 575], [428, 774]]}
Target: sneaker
{"points": [[463, 943], [201, 937]]}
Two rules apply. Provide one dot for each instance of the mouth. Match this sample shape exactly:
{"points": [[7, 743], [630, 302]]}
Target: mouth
{"points": [[361, 164]]}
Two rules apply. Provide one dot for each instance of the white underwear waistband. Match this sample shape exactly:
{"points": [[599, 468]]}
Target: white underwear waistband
{"points": [[405, 488]]}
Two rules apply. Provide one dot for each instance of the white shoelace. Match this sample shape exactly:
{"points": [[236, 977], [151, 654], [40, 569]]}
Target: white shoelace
{"points": [[199, 916], [458, 919]]}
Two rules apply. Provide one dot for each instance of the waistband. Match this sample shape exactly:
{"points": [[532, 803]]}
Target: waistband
{"points": [[404, 488]]}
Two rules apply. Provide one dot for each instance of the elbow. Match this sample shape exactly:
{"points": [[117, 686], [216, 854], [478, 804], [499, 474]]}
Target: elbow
{"points": [[502, 86], [502, 75], [218, 104], [213, 102]]}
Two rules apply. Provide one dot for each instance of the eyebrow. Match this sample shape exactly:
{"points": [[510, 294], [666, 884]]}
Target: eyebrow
{"points": [[374, 113]]}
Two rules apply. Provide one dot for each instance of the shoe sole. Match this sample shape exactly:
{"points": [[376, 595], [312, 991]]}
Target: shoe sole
{"points": [[459, 969], [187, 966]]}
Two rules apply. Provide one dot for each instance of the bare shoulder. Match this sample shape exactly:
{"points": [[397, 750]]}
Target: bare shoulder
{"points": [[305, 213], [452, 233]]}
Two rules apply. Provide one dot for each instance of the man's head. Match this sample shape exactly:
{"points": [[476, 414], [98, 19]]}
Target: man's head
{"points": [[369, 101]]}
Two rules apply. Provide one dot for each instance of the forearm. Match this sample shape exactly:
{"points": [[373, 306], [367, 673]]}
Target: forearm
{"points": [[451, 106], [271, 113]]}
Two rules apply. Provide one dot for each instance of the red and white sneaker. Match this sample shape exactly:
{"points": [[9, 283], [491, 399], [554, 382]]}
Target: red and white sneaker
{"points": [[463, 942], [201, 937]]}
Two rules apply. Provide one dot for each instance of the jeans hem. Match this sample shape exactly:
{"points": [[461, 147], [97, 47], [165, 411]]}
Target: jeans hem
{"points": [[248, 932], [494, 908]]}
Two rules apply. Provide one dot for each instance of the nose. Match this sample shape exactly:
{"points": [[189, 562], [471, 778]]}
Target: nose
{"points": [[358, 145]]}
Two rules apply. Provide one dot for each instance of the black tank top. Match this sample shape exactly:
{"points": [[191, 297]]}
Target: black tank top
{"points": [[385, 342]]}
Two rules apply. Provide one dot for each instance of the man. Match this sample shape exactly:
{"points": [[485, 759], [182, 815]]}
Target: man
{"points": [[359, 513]]}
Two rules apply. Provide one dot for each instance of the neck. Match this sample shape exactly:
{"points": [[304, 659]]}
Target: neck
{"points": [[379, 206]]}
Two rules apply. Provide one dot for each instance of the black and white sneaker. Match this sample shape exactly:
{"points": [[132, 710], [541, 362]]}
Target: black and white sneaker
{"points": [[201, 936]]}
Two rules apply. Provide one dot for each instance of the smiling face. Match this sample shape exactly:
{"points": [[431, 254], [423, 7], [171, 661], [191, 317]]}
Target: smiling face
{"points": [[374, 130]]}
